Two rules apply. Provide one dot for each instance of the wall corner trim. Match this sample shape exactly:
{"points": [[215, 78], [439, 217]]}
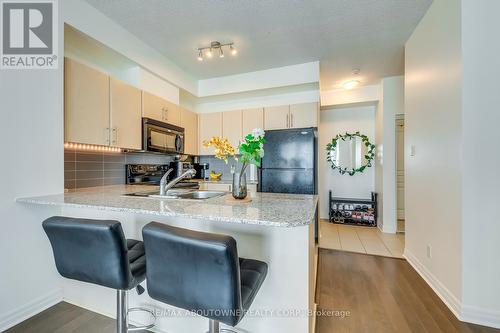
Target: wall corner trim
{"points": [[28, 310]]}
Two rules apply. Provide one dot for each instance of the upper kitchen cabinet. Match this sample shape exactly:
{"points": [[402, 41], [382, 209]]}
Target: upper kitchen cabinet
{"points": [[231, 127], [276, 117], [125, 114], [304, 115], [189, 121], [291, 116], [157, 108], [252, 118], [86, 101], [210, 125]]}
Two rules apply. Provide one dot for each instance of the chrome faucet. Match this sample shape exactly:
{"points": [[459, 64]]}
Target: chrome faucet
{"points": [[163, 182], [188, 173]]}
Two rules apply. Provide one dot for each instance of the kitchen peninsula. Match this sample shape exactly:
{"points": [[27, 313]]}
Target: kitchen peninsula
{"points": [[275, 228]]}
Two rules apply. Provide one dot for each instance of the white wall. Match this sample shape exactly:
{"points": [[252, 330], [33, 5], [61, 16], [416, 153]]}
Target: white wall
{"points": [[481, 157], [264, 79], [363, 94], [261, 98], [391, 102], [31, 139], [332, 122], [433, 125]]}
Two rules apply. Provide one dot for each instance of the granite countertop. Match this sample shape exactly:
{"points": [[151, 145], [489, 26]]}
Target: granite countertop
{"points": [[267, 209]]}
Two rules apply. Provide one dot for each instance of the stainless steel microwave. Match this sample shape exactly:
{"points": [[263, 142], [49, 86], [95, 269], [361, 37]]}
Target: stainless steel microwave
{"points": [[162, 137]]}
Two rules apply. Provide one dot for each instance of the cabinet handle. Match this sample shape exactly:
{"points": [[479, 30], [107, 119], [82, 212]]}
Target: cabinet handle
{"points": [[115, 136], [287, 121], [106, 135], [166, 114], [291, 119]]}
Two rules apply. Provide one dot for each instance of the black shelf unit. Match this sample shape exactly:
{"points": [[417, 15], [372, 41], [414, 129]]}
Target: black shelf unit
{"points": [[353, 211]]}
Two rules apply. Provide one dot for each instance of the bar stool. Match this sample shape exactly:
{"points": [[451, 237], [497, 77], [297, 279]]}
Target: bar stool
{"points": [[96, 251], [200, 272]]}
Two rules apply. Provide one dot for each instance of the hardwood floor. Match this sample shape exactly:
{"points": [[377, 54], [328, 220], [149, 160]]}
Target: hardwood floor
{"points": [[381, 295], [66, 318], [364, 293]]}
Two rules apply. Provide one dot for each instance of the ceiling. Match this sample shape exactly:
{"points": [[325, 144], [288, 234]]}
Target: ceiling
{"points": [[341, 34]]}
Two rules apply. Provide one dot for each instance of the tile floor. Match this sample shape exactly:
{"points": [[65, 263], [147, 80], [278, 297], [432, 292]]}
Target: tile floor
{"points": [[360, 239]]}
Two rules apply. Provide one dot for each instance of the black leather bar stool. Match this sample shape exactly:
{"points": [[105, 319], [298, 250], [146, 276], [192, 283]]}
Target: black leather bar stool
{"points": [[201, 272], [96, 251]]}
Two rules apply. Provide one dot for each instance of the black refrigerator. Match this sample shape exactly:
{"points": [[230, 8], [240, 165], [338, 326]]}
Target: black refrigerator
{"points": [[289, 164]]}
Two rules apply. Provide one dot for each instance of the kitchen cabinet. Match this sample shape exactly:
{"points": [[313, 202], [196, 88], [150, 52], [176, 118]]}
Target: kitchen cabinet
{"points": [[276, 117], [231, 127], [155, 107], [86, 104], [291, 116], [189, 121], [304, 115], [252, 118], [209, 125], [125, 115]]}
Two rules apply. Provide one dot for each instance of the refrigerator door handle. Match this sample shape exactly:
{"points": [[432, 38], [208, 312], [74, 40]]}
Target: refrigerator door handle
{"points": [[291, 119], [287, 121]]}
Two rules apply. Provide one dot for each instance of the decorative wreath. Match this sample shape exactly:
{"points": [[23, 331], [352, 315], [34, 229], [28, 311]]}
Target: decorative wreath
{"points": [[370, 155]]}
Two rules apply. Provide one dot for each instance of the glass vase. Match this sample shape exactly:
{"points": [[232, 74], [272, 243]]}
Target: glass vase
{"points": [[239, 186]]}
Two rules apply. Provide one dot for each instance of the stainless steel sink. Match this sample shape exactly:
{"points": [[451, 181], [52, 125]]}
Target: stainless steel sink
{"points": [[178, 194], [200, 195]]}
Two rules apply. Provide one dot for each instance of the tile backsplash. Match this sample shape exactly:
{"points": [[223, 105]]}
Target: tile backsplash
{"points": [[88, 168]]}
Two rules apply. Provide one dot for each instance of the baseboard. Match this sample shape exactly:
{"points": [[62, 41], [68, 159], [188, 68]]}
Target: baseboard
{"points": [[480, 316], [449, 299], [30, 309]]}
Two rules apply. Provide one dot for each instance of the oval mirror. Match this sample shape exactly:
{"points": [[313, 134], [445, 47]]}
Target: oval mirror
{"points": [[350, 153]]}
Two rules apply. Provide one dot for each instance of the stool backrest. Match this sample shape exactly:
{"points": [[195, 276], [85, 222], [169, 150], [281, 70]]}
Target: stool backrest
{"points": [[93, 251], [193, 270]]}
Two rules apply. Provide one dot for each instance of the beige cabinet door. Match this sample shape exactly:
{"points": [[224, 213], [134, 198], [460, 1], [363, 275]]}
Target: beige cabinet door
{"points": [[189, 121], [276, 117], [153, 106], [231, 127], [86, 104], [209, 124], [304, 115], [252, 118], [126, 125], [172, 113]]}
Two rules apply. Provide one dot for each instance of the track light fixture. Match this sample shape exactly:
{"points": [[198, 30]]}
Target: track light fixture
{"points": [[208, 51]]}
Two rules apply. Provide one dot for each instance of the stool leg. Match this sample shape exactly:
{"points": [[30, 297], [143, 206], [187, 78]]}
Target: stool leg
{"points": [[213, 326], [121, 311]]}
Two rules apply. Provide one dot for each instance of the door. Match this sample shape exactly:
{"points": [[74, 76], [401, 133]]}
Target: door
{"points": [[400, 174], [126, 124], [231, 127], [298, 181], [171, 113], [276, 117], [189, 121], [153, 106], [304, 115], [252, 118], [86, 104], [210, 125]]}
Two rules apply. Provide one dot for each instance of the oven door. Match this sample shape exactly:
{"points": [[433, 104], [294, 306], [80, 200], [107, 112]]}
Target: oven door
{"points": [[163, 140]]}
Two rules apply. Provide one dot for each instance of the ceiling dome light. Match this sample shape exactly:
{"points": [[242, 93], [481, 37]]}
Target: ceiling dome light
{"points": [[200, 55], [351, 84], [233, 50]]}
